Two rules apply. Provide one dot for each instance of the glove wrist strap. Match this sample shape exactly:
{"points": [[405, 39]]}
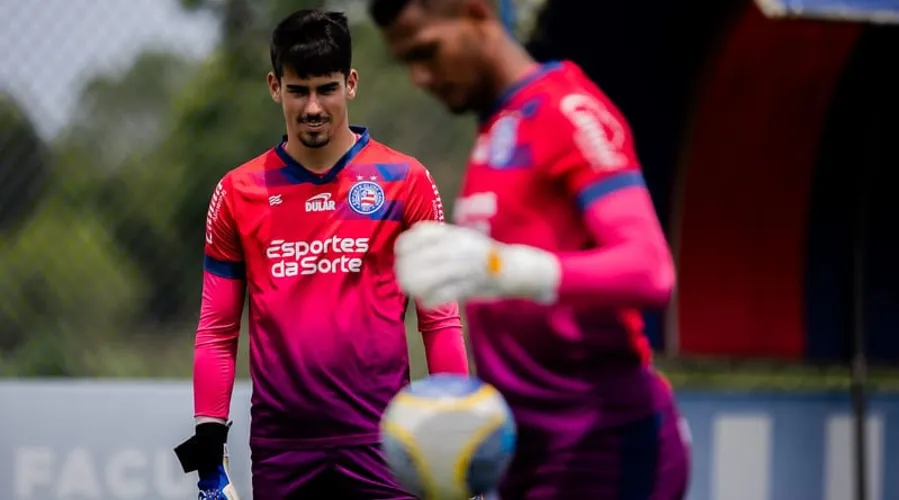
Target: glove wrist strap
{"points": [[205, 449]]}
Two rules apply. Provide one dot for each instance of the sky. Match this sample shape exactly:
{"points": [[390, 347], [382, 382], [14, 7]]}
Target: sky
{"points": [[51, 47]]}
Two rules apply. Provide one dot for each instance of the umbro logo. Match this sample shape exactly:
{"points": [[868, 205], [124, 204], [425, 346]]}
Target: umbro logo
{"points": [[274, 200]]}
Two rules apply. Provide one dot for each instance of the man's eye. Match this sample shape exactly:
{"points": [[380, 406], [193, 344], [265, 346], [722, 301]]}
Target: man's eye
{"points": [[421, 54]]}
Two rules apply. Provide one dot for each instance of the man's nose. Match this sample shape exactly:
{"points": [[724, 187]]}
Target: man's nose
{"points": [[313, 106], [421, 76]]}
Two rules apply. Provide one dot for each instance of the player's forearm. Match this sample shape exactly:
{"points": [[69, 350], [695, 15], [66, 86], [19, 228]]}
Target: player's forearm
{"points": [[215, 352], [210, 420], [214, 373], [441, 333], [633, 274], [632, 267], [445, 351]]}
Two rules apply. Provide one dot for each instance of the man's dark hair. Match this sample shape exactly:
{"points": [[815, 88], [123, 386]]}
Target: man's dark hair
{"points": [[312, 43], [384, 12]]}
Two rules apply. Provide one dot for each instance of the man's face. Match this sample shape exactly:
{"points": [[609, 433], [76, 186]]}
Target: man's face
{"points": [[442, 54], [313, 107]]}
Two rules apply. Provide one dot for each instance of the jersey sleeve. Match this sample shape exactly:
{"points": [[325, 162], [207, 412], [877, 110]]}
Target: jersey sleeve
{"points": [[591, 153], [440, 327], [223, 254], [423, 201], [590, 150], [215, 350], [441, 333]]}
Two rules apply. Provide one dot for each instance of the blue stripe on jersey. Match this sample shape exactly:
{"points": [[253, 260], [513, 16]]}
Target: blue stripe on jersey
{"points": [[392, 172], [599, 189], [513, 89], [297, 173], [393, 210], [224, 269]]}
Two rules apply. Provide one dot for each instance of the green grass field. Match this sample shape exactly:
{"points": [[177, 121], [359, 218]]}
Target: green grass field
{"points": [[170, 356], [770, 376]]}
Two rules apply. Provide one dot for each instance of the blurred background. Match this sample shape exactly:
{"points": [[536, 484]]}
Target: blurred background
{"points": [[766, 131]]}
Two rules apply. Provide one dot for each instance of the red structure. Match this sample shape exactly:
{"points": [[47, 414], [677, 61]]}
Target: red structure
{"points": [[742, 208]]}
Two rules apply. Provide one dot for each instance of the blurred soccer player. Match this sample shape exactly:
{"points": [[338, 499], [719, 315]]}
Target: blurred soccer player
{"points": [[556, 247], [309, 228]]}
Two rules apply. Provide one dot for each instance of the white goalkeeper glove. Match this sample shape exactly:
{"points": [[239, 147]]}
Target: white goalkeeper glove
{"points": [[438, 263]]}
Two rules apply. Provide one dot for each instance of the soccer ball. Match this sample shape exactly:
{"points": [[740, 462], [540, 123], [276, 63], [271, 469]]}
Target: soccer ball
{"points": [[448, 437]]}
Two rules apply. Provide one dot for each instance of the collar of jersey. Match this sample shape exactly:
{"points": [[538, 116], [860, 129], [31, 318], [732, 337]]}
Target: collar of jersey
{"points": [[300, 174], [513, 89]]}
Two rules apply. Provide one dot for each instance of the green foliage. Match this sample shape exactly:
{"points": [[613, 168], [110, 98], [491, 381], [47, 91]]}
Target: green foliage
{"points": [[101, 242], [24, 164], [64, 282], [103, 275]]}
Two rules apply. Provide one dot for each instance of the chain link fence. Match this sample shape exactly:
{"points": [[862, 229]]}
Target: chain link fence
{"points": [[116, 121]]}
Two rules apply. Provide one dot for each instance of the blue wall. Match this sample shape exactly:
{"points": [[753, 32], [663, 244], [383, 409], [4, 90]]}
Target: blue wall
{"points": [[113, 440], [785, 443]]}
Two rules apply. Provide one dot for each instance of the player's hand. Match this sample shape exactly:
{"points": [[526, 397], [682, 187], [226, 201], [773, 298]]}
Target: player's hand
{"points": [[207, 453], [438, 263], [215, 483]]}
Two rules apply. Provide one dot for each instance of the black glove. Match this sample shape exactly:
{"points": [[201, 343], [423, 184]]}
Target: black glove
{"points": [[205, 449], [207, 453]]}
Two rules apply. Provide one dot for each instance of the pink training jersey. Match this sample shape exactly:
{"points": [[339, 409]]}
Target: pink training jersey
{"points": [[554, 162], [327, 335]]}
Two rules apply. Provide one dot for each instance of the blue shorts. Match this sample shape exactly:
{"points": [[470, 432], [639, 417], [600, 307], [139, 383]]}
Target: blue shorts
{"points": [[647, 459], [350, 473]]}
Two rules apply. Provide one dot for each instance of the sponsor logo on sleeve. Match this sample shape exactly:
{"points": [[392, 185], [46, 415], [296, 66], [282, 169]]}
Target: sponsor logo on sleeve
{"points": [[599, 135], [436, 203], [215, 206]]}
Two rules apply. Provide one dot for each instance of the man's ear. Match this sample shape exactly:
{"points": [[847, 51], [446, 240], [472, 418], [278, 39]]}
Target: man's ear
{"points": [[274, 87], [352, 84], [477, 10]]}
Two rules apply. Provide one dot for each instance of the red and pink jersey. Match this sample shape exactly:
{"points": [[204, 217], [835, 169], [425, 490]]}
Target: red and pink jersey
{"points": [[326, 326], [551, 162]]}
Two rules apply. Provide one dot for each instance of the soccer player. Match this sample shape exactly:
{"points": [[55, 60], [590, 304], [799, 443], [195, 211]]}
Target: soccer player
{"points": [[308, 228], [555, 249]]}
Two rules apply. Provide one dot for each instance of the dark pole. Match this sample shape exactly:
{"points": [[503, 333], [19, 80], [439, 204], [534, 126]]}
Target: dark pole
{"points": [[859, 367]]}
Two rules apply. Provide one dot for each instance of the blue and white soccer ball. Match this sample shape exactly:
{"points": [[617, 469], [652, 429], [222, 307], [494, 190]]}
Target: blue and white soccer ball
{"points": [[448, 437]]}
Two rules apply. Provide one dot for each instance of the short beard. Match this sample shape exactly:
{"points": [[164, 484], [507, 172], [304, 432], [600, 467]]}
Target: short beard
{"points": [[315, 141]]}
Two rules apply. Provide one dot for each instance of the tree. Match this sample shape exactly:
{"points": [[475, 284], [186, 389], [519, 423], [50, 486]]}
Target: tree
{"points": [[110, 154], [24, 164], [123, 114], [63, 281], [112, 245], [147, 147]]}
